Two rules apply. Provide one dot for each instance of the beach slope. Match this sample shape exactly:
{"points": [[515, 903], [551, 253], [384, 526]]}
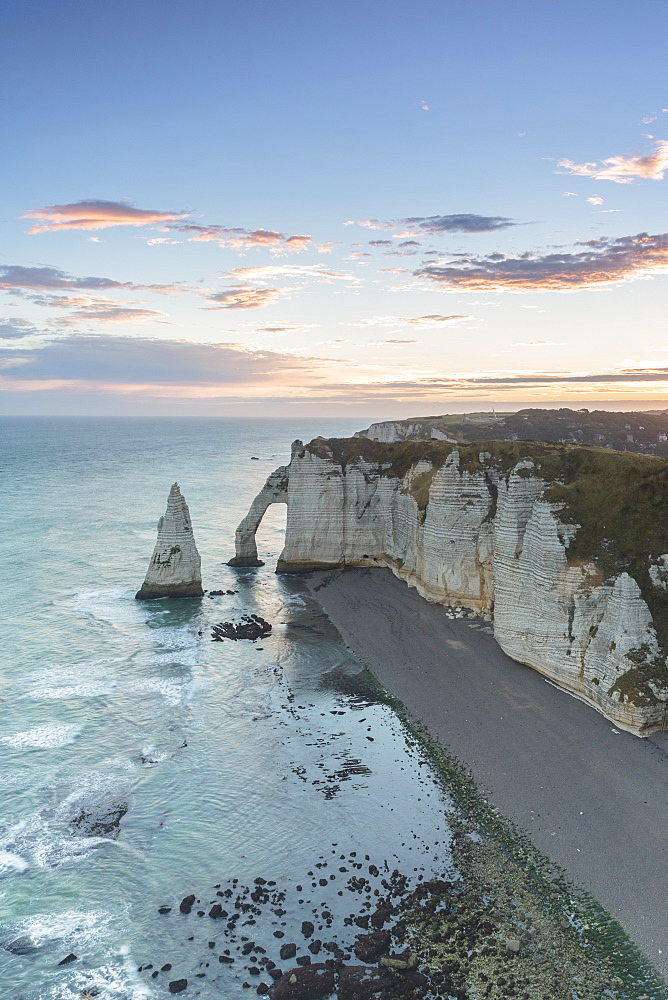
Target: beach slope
{"points": [[592, 798]]}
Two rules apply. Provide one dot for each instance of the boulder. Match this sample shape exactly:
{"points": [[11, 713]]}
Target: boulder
{"points": [[305, 983], [358, 981], [369, 947]]}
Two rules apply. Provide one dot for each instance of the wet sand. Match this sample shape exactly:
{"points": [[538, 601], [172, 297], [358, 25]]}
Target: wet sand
{"points": [[592, 798]]}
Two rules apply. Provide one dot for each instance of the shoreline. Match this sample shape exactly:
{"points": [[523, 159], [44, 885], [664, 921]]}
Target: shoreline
{"points": [[590, 798]]}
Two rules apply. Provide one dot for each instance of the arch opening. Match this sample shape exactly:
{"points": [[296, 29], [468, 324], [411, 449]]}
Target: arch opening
{"points": [[275, 490]]}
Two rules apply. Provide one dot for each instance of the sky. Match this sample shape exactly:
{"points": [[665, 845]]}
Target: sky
{"points": [[360, 207]]}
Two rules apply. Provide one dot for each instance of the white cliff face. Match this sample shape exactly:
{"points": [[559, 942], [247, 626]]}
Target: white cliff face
{"points": [[175, 567], [388, 431], [487, 540]]}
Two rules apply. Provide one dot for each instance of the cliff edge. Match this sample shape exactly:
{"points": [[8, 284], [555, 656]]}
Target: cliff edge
{"points": [[567, 548]]}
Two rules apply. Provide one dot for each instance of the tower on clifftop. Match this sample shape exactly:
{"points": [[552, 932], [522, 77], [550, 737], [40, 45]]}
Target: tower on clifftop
{"points": [[175, 569]]}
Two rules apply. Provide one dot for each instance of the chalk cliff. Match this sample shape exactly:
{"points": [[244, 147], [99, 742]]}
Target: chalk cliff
{"points": [[389, 431], [564, 546], [175, 566]]}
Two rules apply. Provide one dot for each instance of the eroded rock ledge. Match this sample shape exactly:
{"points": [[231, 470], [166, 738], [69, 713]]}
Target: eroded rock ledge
{"points": [[565, 546]]}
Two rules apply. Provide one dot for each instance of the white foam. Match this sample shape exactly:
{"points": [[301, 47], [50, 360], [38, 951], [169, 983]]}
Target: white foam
{"points": [[12, 862], [87, 679], [55, 734], [113, 982], [173, 690], [76, 928], [114, 606]]}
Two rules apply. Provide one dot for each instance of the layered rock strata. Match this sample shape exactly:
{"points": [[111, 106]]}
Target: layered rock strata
{"points": [[175, 569], [488, 532]]}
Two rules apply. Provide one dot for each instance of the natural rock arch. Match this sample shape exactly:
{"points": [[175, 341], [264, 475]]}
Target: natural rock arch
{"points": [[275, 490]]}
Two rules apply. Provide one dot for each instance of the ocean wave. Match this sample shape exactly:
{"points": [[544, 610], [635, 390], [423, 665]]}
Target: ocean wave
{"points": [[174, 690], [113, 983], [112, 605], [72, 928], [54, 734], [12, 862], [87, 679]]}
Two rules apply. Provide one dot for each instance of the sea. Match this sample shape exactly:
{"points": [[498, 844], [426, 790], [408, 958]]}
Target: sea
{"points": [[140, 761]]}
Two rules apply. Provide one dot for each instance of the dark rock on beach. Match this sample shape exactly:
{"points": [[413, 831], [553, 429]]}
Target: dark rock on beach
{"points": [[187, 904], [358, 981], [369, 947], [305, 983], [178, 985]]}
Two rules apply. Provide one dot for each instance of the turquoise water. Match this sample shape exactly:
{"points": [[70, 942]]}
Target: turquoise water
{"points": [[226, 760]]}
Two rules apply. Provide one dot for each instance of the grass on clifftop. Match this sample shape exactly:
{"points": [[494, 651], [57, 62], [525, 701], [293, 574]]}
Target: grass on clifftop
{"points": [[619, 499]]}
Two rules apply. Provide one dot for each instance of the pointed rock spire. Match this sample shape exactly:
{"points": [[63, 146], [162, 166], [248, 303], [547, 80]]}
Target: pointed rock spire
{"points": [[175, 566]]}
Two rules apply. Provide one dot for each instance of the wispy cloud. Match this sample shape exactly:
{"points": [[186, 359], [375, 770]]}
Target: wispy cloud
{"points": [[600, 262], [14, 329], [96, 214], [622, 169], [261, 271], [14, 277], [280, 331], [437, 225], [540, 343], [103, 314], [248, 239], [242, 297], [431, 321]]}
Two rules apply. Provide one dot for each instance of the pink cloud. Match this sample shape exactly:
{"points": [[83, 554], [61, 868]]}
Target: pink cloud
{"points": [[248, 239], [600, 262], [96, 214], [242, 297], [622, 169]]}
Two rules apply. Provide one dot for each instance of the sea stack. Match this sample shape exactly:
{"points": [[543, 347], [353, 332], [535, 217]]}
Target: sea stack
{"points": [[175, 569]]}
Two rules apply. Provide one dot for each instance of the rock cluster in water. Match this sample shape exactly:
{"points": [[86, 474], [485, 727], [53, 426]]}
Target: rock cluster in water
{"points": [[175, 569], [250, 627]]}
